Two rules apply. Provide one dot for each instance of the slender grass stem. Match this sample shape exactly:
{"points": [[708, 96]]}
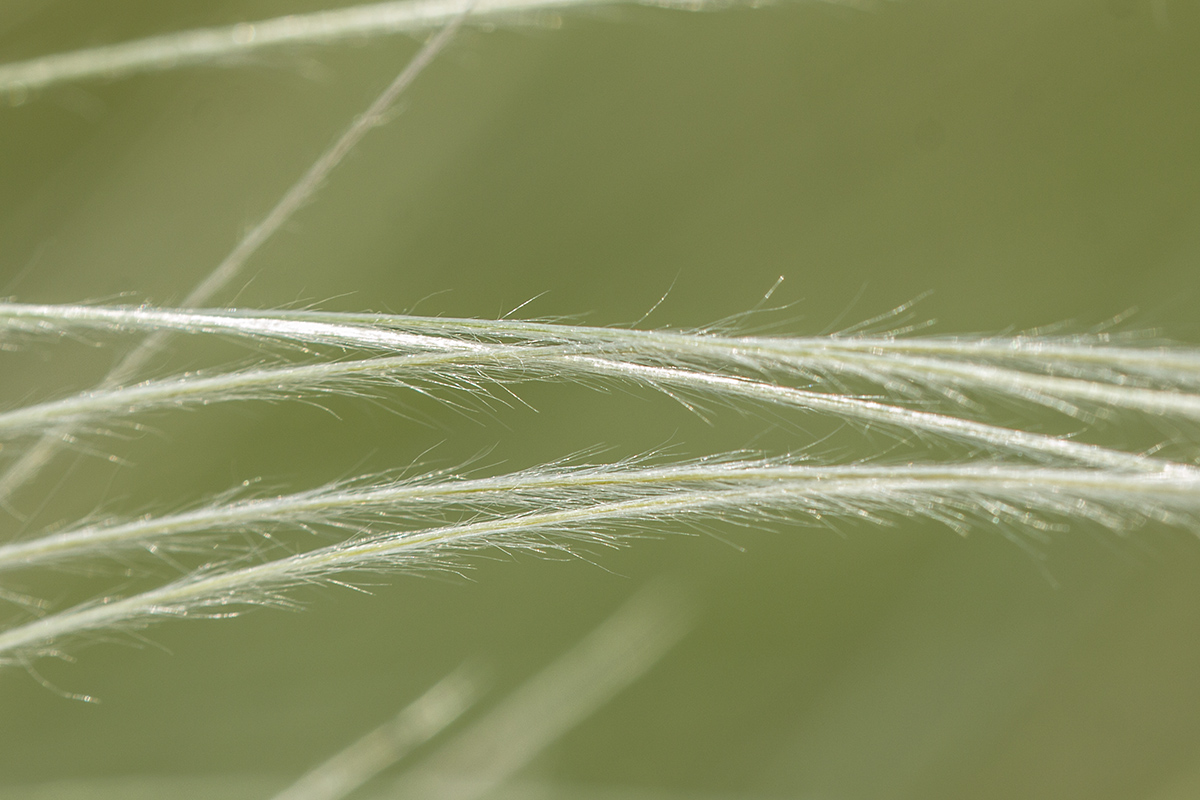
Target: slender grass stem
{"points": [[504, 363], [228, 42], [574, 686], [363, 504], [294, 381], [50, 319], [893, 417], [1068, 355], [417, 723], [1017, 496], [1096, 377]]}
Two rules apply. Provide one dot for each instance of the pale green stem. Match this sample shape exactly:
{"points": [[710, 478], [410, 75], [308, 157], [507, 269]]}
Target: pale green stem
{"points": [[993, 437], [905, 361], [229, 42], [343, 505], [568, 691], [946, 494], [417, 723], [508, 362]]}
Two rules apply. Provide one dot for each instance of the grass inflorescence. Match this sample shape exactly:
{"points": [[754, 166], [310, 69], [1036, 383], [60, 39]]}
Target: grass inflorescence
{"points": [[962, 415]]}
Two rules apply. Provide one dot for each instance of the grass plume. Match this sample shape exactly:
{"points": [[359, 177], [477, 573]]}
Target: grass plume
{"points": [[594, 163], [1068, 374], [591, 505], [476, 369]]}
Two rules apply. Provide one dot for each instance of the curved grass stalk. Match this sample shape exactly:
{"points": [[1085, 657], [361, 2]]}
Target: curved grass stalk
{"points": [[48, 319], [363, 503], [897, 418], [1060, 393], [1055, 374], [1092, 357], [501, 363], [294, 381], [1015, 496], [229, 42]]}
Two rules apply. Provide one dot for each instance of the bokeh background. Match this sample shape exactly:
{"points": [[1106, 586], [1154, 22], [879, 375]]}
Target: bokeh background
{"points": [[1029, 163]]}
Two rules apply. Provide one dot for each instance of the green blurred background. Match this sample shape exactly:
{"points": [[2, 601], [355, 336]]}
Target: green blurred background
{"points": [[1031, 163]]}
